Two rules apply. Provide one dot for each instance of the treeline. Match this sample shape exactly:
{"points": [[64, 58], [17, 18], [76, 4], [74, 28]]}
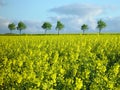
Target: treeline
{"points": [[59, 26], [21, 26]]}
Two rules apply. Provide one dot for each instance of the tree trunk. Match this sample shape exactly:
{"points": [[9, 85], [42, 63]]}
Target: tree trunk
{"points": [[99, 31], [45, 31], [20, 31], [83, 32], [58, 32], [11, 31]]}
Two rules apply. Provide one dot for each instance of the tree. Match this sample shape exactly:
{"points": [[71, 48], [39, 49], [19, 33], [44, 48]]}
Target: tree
{"points": [[11, 27], [101, 25], [84, 27], [59, 26], [21, 26], [46, 26]]}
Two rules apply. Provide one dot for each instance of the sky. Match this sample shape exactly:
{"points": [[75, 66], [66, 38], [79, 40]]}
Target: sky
{"points": [[72, 13]]}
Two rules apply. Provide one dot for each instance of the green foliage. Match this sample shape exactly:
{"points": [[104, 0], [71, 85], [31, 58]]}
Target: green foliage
{"points": [[46, 26], [21, 26], [101, 25], [11, 27], [84, 27], [65, 62], [59, 26]]}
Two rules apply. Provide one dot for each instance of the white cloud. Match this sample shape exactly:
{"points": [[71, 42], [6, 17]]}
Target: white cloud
{"points": [[81, 10], [32, 26], [3, 25], [74, 15], [113, 24], [73, 24]]}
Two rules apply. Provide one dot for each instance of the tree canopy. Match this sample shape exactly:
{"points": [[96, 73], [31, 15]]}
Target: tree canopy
{"points": [[59, 26], [101, 25], [47, 26], [11, 27], [84, 27], [21, 26]]}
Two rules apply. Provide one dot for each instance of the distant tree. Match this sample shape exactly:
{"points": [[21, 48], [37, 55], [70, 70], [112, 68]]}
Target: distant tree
{"points": [[46, 26], [21, 26], [11, 27], [84, 27], [59, 26], [101, 25]]}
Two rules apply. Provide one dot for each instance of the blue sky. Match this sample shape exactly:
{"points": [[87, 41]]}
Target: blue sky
{"points": [[73, 13]]}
